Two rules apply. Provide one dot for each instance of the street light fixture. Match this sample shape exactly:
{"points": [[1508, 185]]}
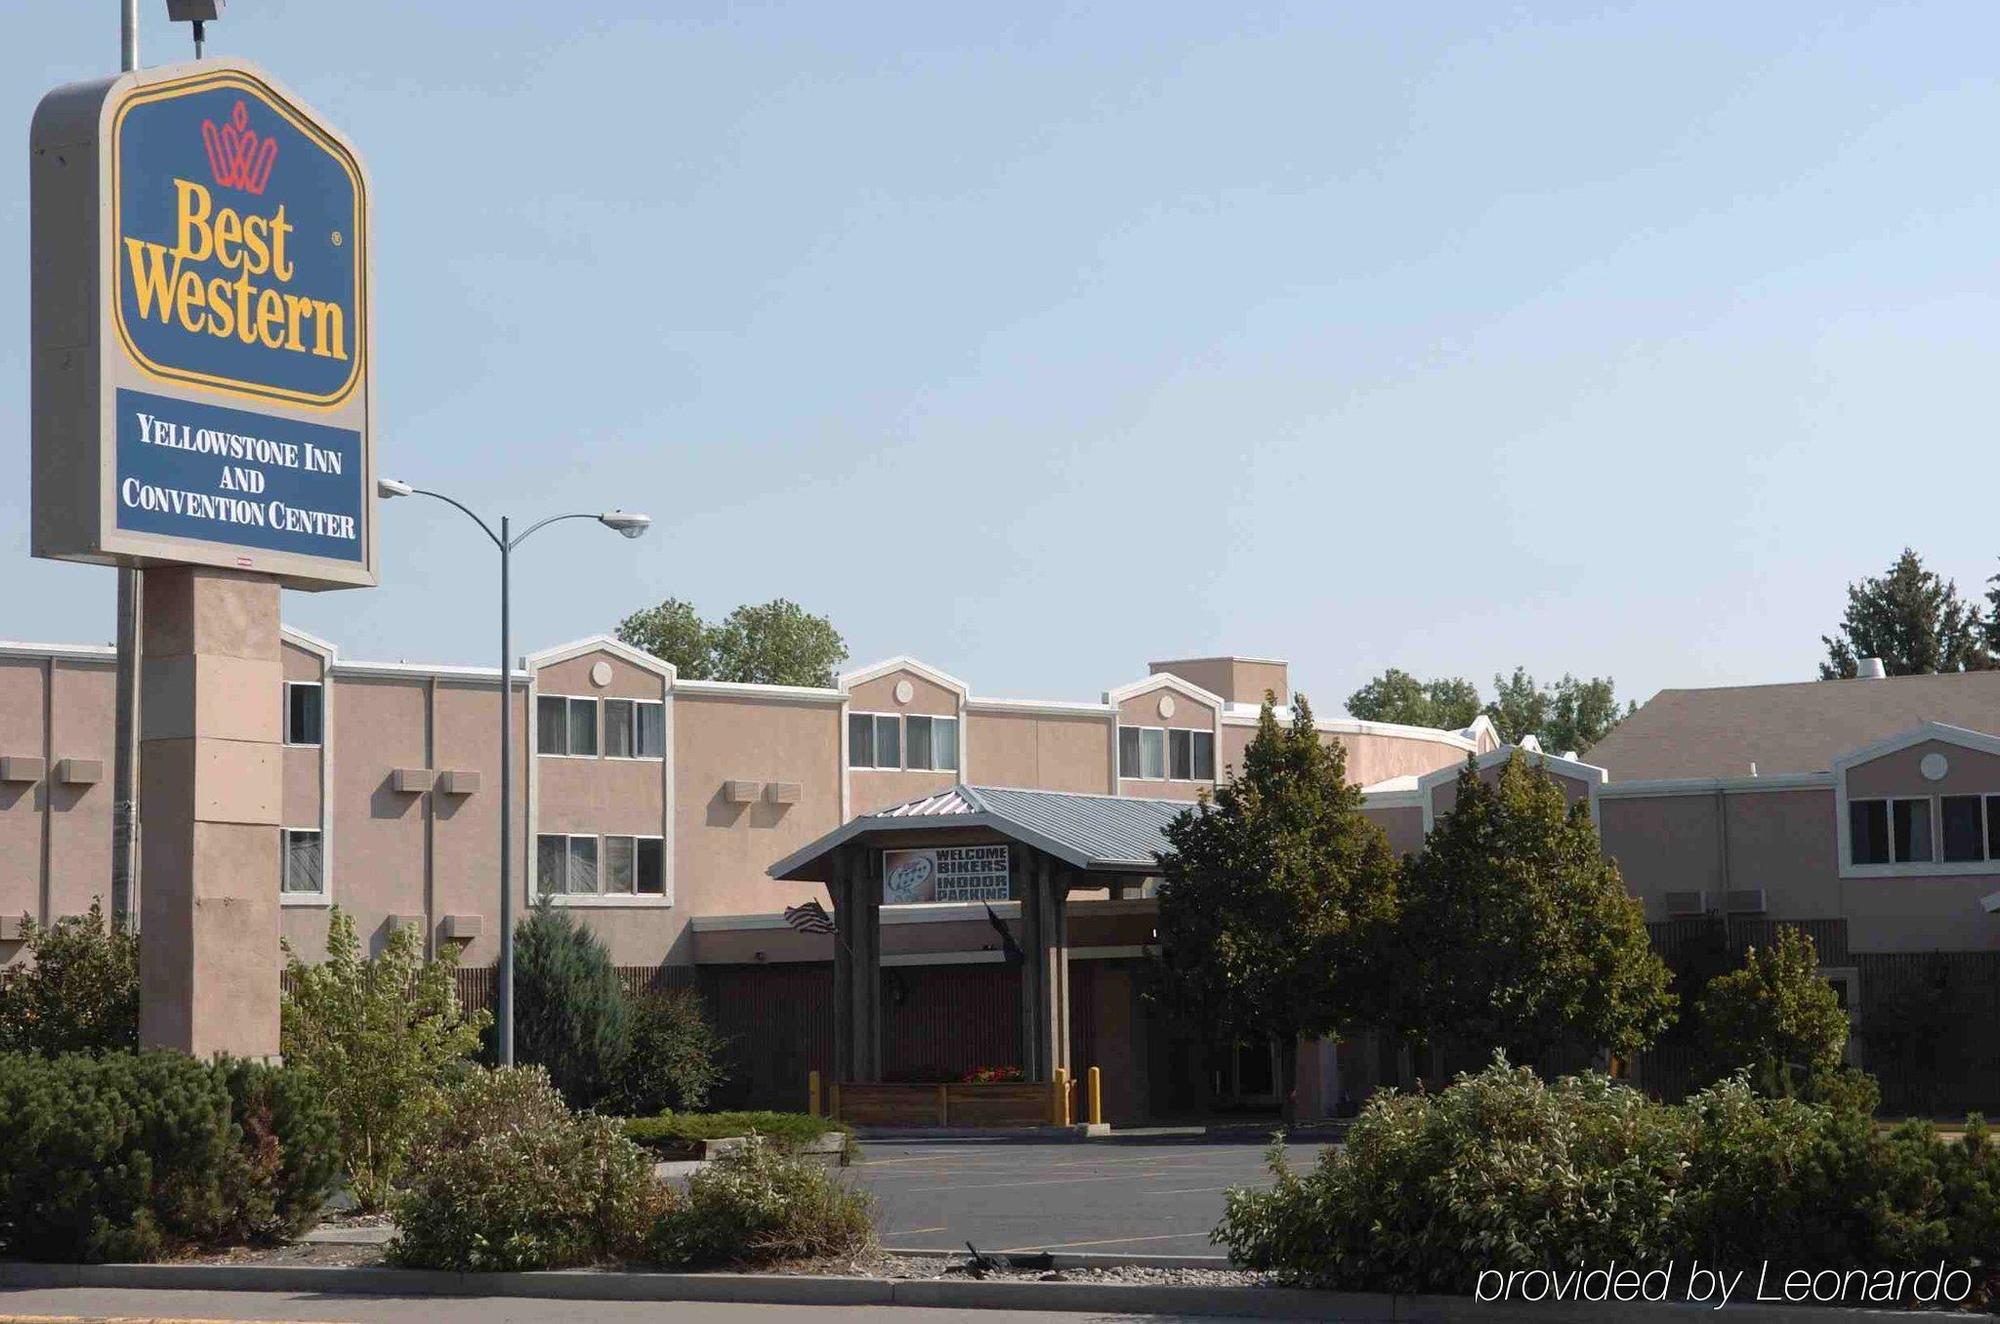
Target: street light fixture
{"points": [[631, 525]]}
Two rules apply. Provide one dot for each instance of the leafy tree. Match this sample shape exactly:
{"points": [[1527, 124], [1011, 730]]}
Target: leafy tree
{"points": [[675, 1055], [1516, 932], [773, 643], [675, 633], [1269, 894], [384, 1036], [1450, 703], [1911, 619], [778, 643], [1569, 715], [1581, 713], [80, 994], [570, 1012], [1776, 1016]]}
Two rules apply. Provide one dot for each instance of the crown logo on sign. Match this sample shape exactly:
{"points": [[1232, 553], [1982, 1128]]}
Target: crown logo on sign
{"points": [[239, 155]]}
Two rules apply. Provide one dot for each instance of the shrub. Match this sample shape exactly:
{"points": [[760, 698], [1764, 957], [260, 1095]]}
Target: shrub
{"points": [[570, 1012], [80, 994], [507, 1178], [1504, 1172], [673, 1057], [676, 1135], [1500, 1171], [130, 1156], [758, 1205], [383, 1036], [1776, 1018]]}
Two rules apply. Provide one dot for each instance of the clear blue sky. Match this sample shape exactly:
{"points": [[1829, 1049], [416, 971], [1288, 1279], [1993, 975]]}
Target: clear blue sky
{"points": [[1041, 341]]}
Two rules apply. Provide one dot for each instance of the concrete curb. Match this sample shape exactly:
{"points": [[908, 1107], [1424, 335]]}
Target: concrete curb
{"points": [[802, 1290]]}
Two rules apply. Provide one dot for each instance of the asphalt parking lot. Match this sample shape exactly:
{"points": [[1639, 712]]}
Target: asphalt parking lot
{"points": [[1139, 1198]]}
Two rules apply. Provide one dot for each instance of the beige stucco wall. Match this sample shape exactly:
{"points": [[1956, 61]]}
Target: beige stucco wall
{"points": [[1968, 772], [1190, 714], [53, 710], [1055, 753], [1373, 758], [723, 849], [1403, 825], [1235, 679]]}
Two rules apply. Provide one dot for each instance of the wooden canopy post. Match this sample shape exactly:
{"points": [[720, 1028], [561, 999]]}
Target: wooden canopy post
{"points": [[857, 964]]}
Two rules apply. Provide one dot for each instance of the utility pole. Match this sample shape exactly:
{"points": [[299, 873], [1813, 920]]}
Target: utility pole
{"points": [[125, 770]]}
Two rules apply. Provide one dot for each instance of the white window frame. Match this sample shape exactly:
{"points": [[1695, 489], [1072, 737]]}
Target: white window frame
{"points": [[300, 897], [569, 703], [604, 729], [902, 745], [1986, 800], [290, 743], [932, 719], [601, 897], [1165, 734]]}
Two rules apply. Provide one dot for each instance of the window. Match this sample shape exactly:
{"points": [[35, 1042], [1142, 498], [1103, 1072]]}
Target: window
{"points": [[875, 740], [1154, 753], [1910, 821], [634, 866], [575, 866], [634, 729], [302, 712], [301, 871], [566, 866], [1191, 756], [566, 726], [1890, 831], [933, 743], [1962, 827]]}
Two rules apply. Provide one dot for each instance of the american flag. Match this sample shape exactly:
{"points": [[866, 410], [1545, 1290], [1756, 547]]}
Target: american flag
{"points": [[809, 918]]}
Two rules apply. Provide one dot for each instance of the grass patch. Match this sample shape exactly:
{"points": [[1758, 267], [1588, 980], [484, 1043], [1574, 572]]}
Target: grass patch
{"points": [[679, 1135]]}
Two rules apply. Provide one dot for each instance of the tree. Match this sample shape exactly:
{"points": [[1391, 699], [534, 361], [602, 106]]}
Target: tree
{"points": [[1269, 894], [675, 1056], [778, 643], [1911, 619], [1581, 713], [773, 643], [675, 633], [1515, 932], [570, 1014], [1569, 716], [80, 994], [384, 1036], [1450, 703], [1776, 1017]]}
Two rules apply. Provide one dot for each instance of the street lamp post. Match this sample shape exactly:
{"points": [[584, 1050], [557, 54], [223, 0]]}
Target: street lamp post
{"points": [[625, 522]]}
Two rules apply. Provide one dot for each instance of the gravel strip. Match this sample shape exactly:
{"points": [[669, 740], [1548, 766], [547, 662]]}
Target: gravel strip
{"points": [[930, 1268]]}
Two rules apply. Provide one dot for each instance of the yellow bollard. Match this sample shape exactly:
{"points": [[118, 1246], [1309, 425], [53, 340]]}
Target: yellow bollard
{"points": [[812, 1093], [1096, 1079]]}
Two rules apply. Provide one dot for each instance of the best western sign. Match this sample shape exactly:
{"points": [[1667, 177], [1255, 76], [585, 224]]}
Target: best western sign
{"points": [[201, 328]]}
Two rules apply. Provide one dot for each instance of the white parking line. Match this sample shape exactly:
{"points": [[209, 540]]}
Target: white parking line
{"points": [[1110, 1241]]}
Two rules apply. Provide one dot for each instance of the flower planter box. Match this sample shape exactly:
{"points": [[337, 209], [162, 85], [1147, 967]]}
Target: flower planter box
{"points": [[1009, 1104]]}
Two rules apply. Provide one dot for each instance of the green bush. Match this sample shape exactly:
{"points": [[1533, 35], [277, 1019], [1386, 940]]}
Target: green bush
{"points": [[507, 1178], [673, 1057], [80, 994], [570, 1012], [757, 1206], [131, 1156], [1503, 1171], [384, 1036], [1775, 1018], [677, 1135]]}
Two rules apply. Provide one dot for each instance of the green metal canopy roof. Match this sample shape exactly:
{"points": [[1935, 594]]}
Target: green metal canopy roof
{"points": [[1103, 833]]}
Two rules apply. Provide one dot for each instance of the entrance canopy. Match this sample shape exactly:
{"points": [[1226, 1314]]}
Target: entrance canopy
{"points": [[976, 843], [1108, 834]]}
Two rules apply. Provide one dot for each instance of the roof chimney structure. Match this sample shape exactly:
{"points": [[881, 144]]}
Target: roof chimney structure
{"points": [[1870, 668]]}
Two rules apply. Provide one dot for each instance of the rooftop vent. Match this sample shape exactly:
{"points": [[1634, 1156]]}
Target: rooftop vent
{"points": [[1870, 668]]}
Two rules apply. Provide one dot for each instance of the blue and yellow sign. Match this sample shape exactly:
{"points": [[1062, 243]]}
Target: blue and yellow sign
{"points": [[223, 415], [240, 242]]}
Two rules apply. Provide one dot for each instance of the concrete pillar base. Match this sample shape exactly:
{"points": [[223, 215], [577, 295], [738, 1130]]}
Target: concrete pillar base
{"points": [[211, 779]]}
